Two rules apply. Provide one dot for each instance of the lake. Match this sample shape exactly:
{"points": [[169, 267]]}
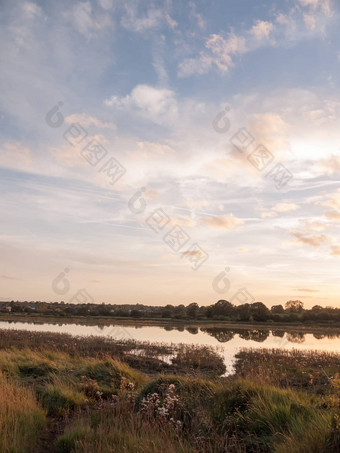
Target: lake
{"points": [[228, 340]]}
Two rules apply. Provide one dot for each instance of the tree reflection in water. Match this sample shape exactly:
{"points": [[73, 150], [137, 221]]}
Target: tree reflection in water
{"points": [[296, 337], [254, 335], [222, 335], [192, 330], [278, 333]]}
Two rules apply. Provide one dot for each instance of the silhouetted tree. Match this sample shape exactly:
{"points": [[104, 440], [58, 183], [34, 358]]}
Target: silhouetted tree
{"points": [[277, 309], [259, 311], [294, 306], [192, 310]]}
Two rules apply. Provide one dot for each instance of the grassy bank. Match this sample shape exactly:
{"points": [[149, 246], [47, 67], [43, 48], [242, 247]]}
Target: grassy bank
{"points": [[70, 395]]}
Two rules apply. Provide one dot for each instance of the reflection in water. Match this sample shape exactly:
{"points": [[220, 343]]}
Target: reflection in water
{"points": [[192, 330], [255, 335], [222, 335], [229, 340], [169, 328], [320, 336], [278, 333], [296, 337]]}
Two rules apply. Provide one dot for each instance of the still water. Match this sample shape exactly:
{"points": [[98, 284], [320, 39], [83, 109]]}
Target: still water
{"points": [[229, 341]]}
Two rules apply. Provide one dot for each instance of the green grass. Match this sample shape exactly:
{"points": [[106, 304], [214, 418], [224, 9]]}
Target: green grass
{"points": [[60, 399]]}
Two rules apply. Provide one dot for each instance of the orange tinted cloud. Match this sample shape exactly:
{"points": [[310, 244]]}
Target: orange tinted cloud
{"points": [[335, 250], [313, 241], [225, 222]]}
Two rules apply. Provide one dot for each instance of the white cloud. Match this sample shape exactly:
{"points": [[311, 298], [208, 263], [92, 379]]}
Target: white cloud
{"points": [[268, 124], [310, 21], [170, 21], [285, 207], [323, 5], [313, 225], [329, 166], [261, 30], [333, 200], [313, 241], [333, 215], [85, 21], [155, 103], [149, 150], [31, 10], [106, 4], [82, 17], [225, 222], [283, 19], [87, 121], [196, 16], [219, 53], [268, 214], [132, 21], [335, 250], [14, 153]]}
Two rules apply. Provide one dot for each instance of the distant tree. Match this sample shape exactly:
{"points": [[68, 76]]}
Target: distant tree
{"points": [[277, 309], [192, 310], [259, 311], [294, 306], [222, 308], [168, 311], [202, 312], [180, 312], [122, 312], [243, 312], [136, 313]]}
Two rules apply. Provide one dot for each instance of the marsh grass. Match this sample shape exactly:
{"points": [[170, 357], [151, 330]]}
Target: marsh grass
{"points": [[309, 370], [119, 430], [112, 408], [229, 416], [21, 418], [150, 358], [199, 359]]}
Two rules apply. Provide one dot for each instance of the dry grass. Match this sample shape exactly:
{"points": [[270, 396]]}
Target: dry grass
{"points": [[309, 370], [112, 408], [21, 418]]}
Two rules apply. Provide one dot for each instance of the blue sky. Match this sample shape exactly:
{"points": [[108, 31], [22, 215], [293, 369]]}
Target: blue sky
{"points": [[146, 81]]}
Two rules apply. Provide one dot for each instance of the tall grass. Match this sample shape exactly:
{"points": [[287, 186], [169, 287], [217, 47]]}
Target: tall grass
{"points": [[113, 408], [21, 418], [127, 432]]}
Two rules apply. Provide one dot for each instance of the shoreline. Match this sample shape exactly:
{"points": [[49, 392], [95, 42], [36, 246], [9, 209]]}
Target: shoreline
{"points": [[144, 322]]}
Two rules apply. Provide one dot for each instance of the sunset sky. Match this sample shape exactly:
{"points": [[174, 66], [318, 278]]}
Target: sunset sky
{"points": [[162, 90]]}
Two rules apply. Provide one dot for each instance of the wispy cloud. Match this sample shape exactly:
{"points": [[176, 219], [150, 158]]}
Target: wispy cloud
{"points": [[308, 290], [88, 120], [335, 250], [311, 240], [225, 222], [285, 207], [261, 30]]}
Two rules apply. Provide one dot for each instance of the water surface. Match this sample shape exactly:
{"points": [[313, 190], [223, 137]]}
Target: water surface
{"points": [[229, 341]]}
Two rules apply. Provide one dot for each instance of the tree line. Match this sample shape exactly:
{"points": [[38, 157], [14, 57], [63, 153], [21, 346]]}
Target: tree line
{"points": [[223, 310]]}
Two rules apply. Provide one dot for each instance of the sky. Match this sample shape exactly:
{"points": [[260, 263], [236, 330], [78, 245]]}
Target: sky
{"points": [[170, 151]]}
